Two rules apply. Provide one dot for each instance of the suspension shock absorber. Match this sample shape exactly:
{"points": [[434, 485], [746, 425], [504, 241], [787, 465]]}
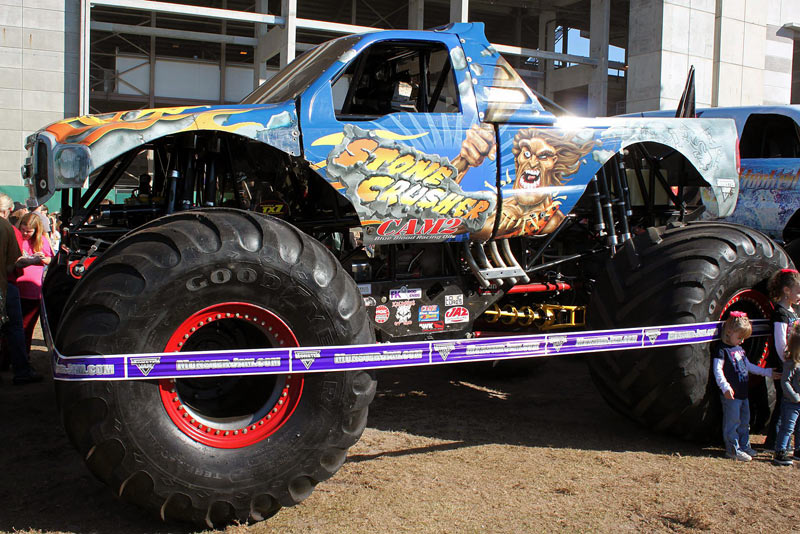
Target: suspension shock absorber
{"points": [[608, 213], [621, 200], [594, 194]]}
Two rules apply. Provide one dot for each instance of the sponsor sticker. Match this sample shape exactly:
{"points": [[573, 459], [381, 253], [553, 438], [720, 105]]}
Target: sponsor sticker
{"points": [[403, 316], [726, 186], [369, 301], [454, 300], [435, 326], [413, 228], [381, 314], [428, 313], [273, 207], [459, 314], [405, 293]]}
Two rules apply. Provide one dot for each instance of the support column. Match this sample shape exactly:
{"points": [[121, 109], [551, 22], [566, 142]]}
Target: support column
{"points": [[223, 60], [599, 22], [85, 56], [260, 51], [518, 14], [547, 42], [416, 14], [280, 40], [459, 10], [151, 92]]}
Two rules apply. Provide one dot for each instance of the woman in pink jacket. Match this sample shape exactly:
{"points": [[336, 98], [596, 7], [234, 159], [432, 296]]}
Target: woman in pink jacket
{"points": [[36, 246]]}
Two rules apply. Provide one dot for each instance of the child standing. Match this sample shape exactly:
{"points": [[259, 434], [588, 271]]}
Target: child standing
{"points": [[731, 371], [790, 407], [784, 290], [36, 247]]}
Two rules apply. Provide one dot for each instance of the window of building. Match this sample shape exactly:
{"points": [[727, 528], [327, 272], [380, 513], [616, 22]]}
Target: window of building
{"points": [[392, 77]]}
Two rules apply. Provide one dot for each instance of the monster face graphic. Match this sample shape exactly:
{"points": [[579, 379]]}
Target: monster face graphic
{"points": [[534, 160], [543, 159]]}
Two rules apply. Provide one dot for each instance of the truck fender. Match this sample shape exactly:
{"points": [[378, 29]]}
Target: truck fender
{"points": [[704, 143]]}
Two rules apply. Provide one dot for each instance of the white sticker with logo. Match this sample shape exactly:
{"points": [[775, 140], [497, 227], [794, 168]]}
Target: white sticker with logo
{"points": [[405, 293], [306, 356], [459, 314], [454, 300], [403, 316], [381, 314], [145, 365]]}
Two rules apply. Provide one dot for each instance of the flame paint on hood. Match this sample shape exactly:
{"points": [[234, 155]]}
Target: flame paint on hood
{"points": [[111, 134]]}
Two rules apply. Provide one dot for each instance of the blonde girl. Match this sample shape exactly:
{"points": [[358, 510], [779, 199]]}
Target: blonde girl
{"points": [[36, 247], [732, 371]]}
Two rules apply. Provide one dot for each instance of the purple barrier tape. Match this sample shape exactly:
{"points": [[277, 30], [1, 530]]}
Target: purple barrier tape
{"points": [[377, 356]]}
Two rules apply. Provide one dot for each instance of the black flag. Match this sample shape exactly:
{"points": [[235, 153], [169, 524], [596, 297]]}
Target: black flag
{"points": [[686, 105]]}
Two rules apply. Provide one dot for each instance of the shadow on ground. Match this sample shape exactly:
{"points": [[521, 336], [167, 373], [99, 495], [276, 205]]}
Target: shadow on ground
{"points": [[44, 484], [553, 403], [550, 403]]}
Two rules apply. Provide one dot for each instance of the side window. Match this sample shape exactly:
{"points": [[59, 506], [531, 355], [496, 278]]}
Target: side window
{"points": [[770, 136], [396, 77]]}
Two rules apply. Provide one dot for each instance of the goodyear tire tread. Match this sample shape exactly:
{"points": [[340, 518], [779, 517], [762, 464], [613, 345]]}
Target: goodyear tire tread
{"points": [[679, 275], [122, 305]]}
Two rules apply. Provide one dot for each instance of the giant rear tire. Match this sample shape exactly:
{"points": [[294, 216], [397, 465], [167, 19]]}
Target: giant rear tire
{"points": [[681, 275], [215, 450]]}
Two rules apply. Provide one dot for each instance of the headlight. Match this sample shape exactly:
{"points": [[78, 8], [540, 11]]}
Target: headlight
{"points": [[71, 165]]}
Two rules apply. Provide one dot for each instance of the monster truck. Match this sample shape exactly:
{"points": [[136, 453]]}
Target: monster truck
{"points": [[386, 198]]}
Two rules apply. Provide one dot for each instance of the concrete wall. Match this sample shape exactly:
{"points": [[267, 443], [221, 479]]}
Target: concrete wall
{"points": [[665, 38], [39, 66], [780, 51], [740, 51]]}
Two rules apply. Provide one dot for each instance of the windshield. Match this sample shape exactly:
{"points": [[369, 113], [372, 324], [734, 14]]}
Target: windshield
{"points": [[300, 73]]}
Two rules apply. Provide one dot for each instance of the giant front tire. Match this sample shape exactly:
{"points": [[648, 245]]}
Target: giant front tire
{"points": [[215, 450], [681, 275]]}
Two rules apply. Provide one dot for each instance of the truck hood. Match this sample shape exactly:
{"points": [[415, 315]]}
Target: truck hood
{"points": [[97, 139]]}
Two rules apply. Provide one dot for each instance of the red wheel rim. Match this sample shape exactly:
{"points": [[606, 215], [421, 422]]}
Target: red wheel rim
{"points": [[211, 420], [757, 306]]}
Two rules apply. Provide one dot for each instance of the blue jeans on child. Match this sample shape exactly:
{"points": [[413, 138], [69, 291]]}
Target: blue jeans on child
{"points": [[789, 413], [736, 424]]}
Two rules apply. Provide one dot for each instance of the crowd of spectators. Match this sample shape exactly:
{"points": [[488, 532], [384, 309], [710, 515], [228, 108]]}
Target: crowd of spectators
{"points": [[28, 242]]}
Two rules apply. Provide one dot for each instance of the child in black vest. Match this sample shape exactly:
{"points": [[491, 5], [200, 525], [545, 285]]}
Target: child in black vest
{"points": [[784, 290], [790, 407], [731, 371]]}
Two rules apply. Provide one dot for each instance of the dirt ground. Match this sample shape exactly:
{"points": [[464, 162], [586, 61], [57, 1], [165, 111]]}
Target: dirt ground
{"points": [[445, 452]]}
